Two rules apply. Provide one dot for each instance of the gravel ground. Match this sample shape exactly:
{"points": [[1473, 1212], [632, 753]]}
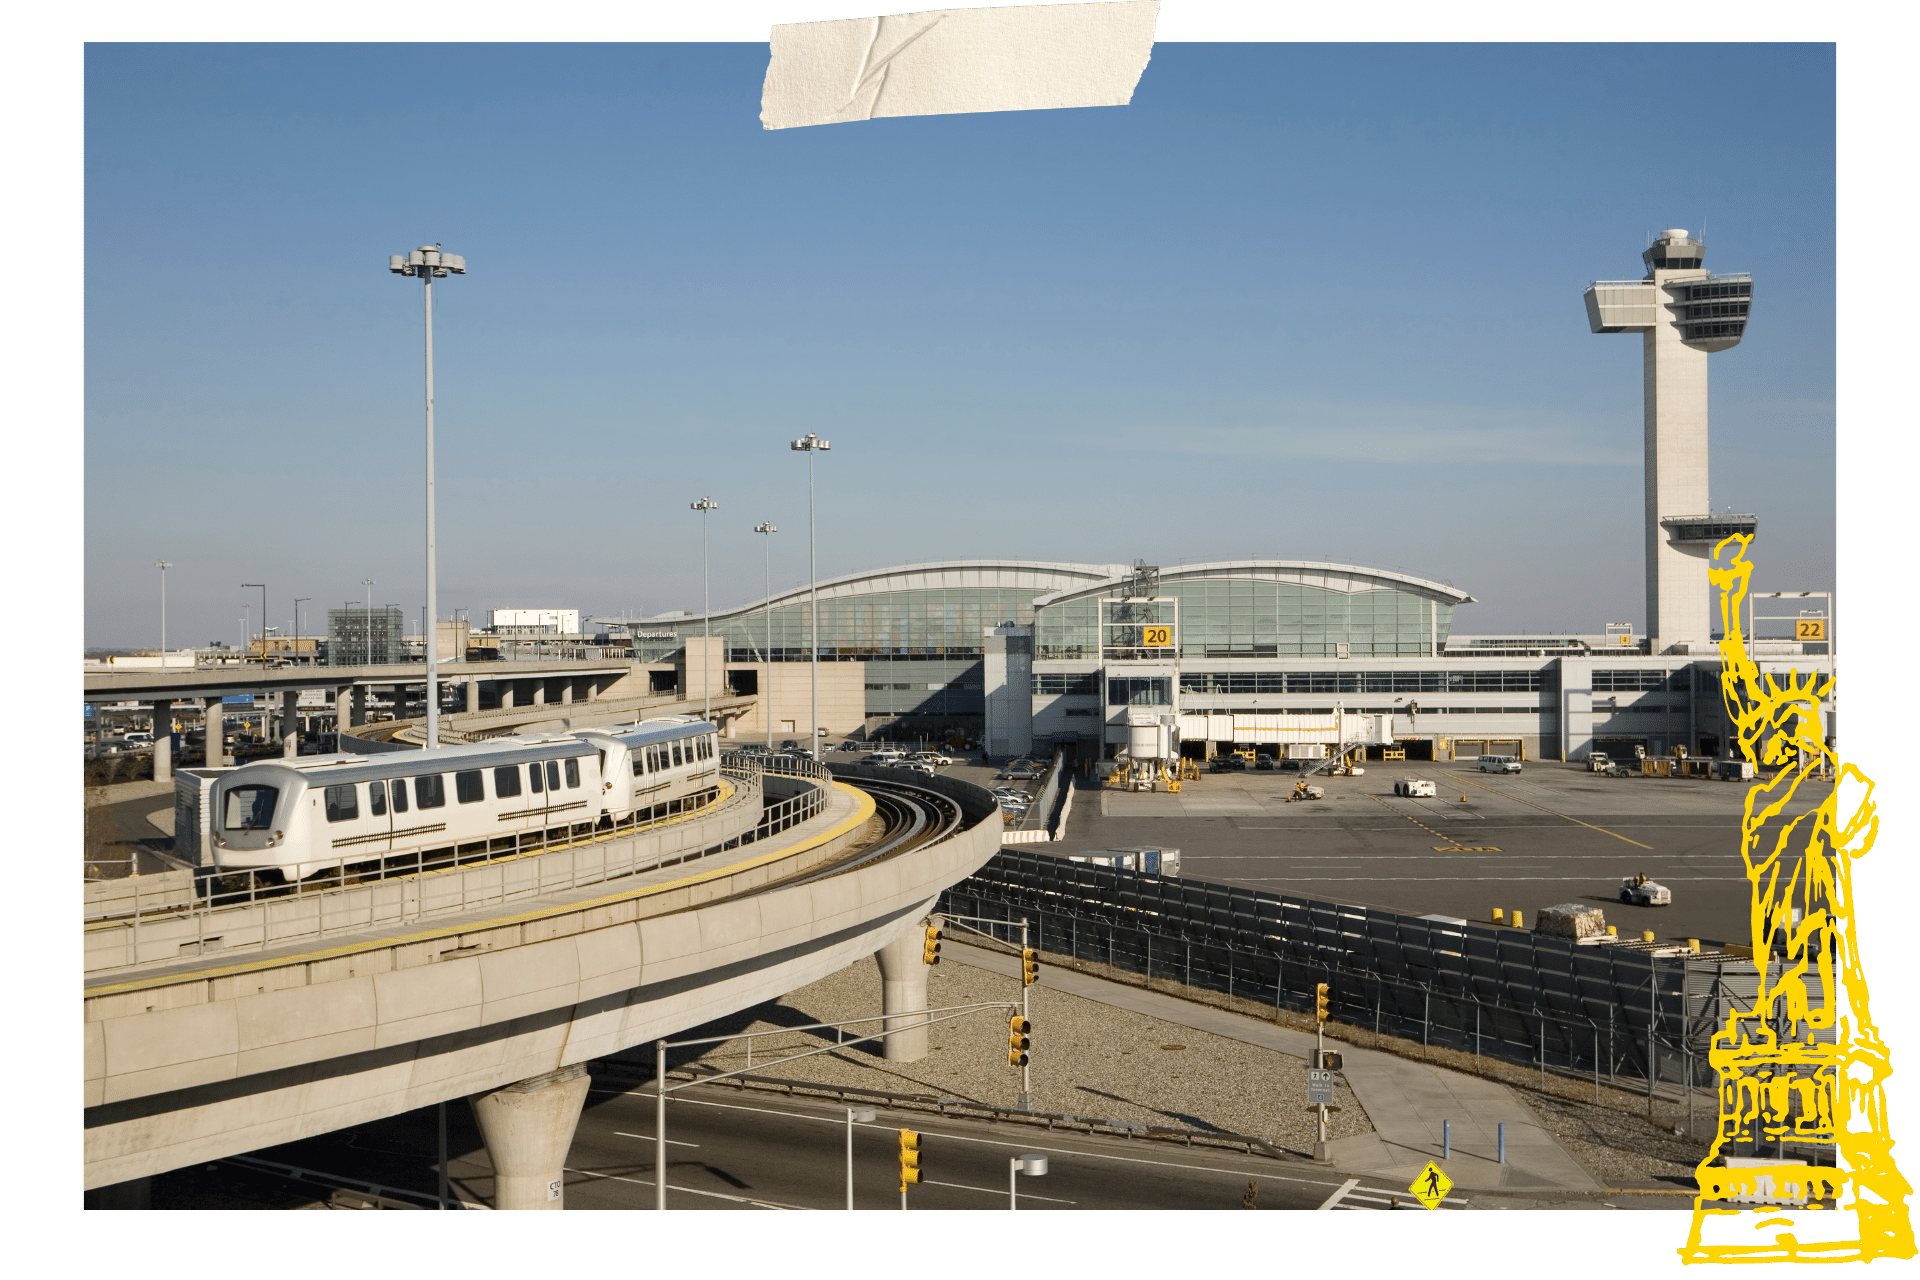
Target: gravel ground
{"points": [[1089, 1059]]}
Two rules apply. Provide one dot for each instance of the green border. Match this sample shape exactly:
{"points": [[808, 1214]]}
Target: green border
{"points": [[41, 83]]}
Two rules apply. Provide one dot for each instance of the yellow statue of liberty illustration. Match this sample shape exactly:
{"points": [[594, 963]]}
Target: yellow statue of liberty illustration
{"points": [[1804, 1068]]}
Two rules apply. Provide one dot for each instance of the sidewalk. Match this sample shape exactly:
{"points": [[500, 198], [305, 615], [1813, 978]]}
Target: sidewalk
{"points": [[1407, 1101]]}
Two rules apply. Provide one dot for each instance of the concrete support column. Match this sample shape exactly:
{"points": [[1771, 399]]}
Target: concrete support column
{"points": [[472, 688], [566, 691], [215, 717], [539, 691], [528, 1128], [162, 741], [359, 711], [290, 723], [903, 990], [505, 690], [137, 1194]]}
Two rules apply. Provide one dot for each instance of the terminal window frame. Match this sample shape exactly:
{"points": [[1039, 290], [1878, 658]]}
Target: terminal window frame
{"points": [[1067, 683], [1139, 691], [1638, 680]]}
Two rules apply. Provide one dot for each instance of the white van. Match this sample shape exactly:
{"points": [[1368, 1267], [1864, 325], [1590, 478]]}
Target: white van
{"points": [[1499, 764]]}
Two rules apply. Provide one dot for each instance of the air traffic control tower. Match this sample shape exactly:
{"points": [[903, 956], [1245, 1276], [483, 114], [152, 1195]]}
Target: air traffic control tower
{"points": [[1684, 314]]}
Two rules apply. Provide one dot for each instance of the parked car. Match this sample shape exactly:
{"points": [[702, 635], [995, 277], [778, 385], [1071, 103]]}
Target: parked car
{"points": [[1020, 770], [789, 745], [916, 766], [931, 757], [1290, 766]]}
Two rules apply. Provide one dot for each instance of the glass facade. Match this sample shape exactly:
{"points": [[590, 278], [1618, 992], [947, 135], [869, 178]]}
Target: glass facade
{"points": [[361, 637], [1535, 681], [1244, 617]]}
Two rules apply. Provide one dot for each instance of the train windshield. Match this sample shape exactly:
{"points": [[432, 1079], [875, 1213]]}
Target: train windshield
{"points": [[251, 808]]}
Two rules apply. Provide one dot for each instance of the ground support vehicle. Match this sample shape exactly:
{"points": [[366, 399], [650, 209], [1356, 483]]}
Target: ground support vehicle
{"points": [[1413, 787], [1642, 892]]}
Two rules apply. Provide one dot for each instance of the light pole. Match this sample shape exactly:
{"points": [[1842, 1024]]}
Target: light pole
{"points": [[766, 694], [246, 630], [263, 618], [427, 262], [706, 609], [297, 633], [163, 566], [1031, 1165], [366, 625], [811, 444], [863, 1115]]}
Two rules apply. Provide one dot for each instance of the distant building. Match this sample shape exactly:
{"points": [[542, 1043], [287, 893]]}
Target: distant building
{"points": [[362, 637], [509, 622]]}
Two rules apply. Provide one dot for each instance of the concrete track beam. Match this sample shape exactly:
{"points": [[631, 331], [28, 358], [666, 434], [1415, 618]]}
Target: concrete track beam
{"points": [[903, 990], [528, 1127]]}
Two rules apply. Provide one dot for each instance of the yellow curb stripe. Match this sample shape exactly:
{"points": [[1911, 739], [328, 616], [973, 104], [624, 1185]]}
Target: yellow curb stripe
{"points": [[863, 810]]}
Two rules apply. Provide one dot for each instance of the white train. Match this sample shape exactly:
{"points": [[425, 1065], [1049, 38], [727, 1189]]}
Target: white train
{"points": [[293, 820]]}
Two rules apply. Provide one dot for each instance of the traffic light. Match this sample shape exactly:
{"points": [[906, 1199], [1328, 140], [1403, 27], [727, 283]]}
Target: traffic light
{"points": [[909, 1160], [1029, 967], [930, 952], [1320, 1011], [1019, 1040]]}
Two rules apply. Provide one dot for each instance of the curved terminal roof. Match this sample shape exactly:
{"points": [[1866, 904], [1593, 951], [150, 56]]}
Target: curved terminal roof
{"points": [[1037, 576], [1347, 578]]}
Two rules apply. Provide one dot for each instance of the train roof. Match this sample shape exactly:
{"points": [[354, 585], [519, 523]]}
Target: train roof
{"points": [[491, 754]]}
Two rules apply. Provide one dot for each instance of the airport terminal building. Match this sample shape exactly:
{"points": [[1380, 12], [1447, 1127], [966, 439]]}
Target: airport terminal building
{"points": [[1023, 656]]}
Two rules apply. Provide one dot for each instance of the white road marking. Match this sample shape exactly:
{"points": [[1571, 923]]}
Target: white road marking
{"points": [[647, 1182], [1264, 1171], [1024, 1195], [647, 1137], [1340, 1191]]}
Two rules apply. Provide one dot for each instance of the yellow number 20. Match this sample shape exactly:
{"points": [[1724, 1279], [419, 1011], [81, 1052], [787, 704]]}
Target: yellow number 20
{"points": [[1156, 637]]}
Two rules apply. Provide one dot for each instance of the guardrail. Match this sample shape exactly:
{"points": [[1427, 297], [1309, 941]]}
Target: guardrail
{"points": [[1502, 992], [476, 880]]}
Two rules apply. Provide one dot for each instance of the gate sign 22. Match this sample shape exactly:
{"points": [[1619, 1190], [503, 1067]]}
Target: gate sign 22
{"points": [[1803, 629], [1156, 637]]}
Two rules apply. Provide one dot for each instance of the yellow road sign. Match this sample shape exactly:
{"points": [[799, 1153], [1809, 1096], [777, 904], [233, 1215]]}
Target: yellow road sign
{"points": [[1431, 1186], [1156, 637]]}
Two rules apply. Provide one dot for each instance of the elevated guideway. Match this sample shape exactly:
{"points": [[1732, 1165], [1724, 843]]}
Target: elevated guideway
{"points": [[212, 1031]]}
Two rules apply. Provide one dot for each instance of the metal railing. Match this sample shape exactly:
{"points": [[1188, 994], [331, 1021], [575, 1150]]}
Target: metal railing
{"points": [[352, 905], [1587, 1011]]}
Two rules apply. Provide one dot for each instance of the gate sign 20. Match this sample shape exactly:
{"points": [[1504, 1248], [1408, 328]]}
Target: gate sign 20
{"points": [[1156, 637]]}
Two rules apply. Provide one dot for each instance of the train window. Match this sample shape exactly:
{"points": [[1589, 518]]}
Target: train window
{"points": [[377, 799], [553, 775], [506, 781], [653, 759], [535, 779], [573, 772], [430, 791], [341, 803], [399, 787], [678, 758], [469, 787], [251, 808]]}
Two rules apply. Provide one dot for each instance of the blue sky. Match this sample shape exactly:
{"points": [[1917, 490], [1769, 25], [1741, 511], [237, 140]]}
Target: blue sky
{"points": [[1300, 300]]}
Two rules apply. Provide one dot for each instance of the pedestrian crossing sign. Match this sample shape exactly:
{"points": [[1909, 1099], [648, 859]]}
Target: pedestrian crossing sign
{"points": [[1431, 1186]]}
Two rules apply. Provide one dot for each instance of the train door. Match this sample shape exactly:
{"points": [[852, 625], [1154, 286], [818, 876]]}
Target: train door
{"points": [[349, 833]]}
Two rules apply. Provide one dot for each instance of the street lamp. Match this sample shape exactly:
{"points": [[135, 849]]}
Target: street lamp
{"points": [[428, 263], [706, 608], [766, 699], [263, 619], [297, 632], [366, 625], [863, 1115], [811, 444], [163, 566], [1031, 1165]]}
